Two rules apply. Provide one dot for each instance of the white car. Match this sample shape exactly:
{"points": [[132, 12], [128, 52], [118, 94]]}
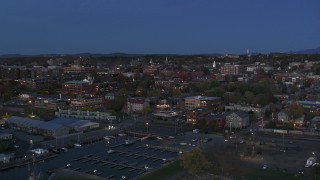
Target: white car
{"points": [[264, 167]]}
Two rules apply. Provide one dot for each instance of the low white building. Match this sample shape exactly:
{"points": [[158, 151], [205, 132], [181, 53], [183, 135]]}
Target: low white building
{"points": [[88, 115], [283, 117], [165, 114], [5, 158], [258, 110], [75, 125], [237, 119], [315, 122], [39, 151], [79, 103], [137, 104]]}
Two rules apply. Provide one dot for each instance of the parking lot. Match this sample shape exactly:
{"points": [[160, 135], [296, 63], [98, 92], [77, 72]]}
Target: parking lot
{"points": [[127, 161]]}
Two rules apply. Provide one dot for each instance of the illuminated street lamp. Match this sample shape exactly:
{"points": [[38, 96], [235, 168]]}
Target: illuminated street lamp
{"points": [[147, 124]]}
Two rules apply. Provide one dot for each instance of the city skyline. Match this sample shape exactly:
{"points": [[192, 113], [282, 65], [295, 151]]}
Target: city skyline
{"points": [[158, 27]]}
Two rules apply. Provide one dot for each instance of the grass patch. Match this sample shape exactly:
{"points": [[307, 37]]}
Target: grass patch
{"points": [[268, 174], [164, 172]]}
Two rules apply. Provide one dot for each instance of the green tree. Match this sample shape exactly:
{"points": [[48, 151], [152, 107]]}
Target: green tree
{"points": [[316, 69], [176, 92], [235, 97], [249, 96], [122, 81], [252, 116], [315, 172], [261, 99], [214, 84], [194, 162], [202, 124], [140, 92], [205, 71], [267, 85], [123, 92], [295, 111], [156, 93], [3, 146], [117, 104], [147, 110], [271, 124]]}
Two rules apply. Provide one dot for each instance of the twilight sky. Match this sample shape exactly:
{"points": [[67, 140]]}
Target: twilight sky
{"points": [[158, 26]]}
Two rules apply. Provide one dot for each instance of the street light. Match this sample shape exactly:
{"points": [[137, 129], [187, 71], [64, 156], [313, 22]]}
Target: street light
{"points": [[147, 124]]}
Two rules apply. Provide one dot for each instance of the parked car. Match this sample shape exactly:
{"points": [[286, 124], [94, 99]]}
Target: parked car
{"points": [[302, 171]]}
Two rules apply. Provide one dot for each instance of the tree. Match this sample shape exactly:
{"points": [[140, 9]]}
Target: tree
{"points": [[205, 71], [194, 162], [147, 110], [3, 146], [117, 104], [176, 92], [252, 116], [249, 96], [140, 91], [221, 158], [315, 172], [235, 97], [122, 81], [261, 99], [316, 69], [295, 111], [267, 85], [202, 125]]}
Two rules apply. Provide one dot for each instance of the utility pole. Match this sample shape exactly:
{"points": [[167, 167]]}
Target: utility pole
{"points": [[282, 140], [175, 126], [147, 124]]}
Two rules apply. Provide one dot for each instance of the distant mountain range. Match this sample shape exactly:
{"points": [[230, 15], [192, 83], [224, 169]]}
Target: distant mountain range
{"points": [[102, 55], [307, 51]]}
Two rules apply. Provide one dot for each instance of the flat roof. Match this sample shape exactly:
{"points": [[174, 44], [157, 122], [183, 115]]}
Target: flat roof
{"points": [[309, 102], [76, 82], [49, 126], [24, 121], [203, 98]]}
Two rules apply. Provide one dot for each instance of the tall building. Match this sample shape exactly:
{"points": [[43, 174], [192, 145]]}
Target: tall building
{"points": [[231, 69]]}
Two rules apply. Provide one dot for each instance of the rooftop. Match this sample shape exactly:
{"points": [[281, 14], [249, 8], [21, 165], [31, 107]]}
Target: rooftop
{"points": [[203, 98], [76, 82]]}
